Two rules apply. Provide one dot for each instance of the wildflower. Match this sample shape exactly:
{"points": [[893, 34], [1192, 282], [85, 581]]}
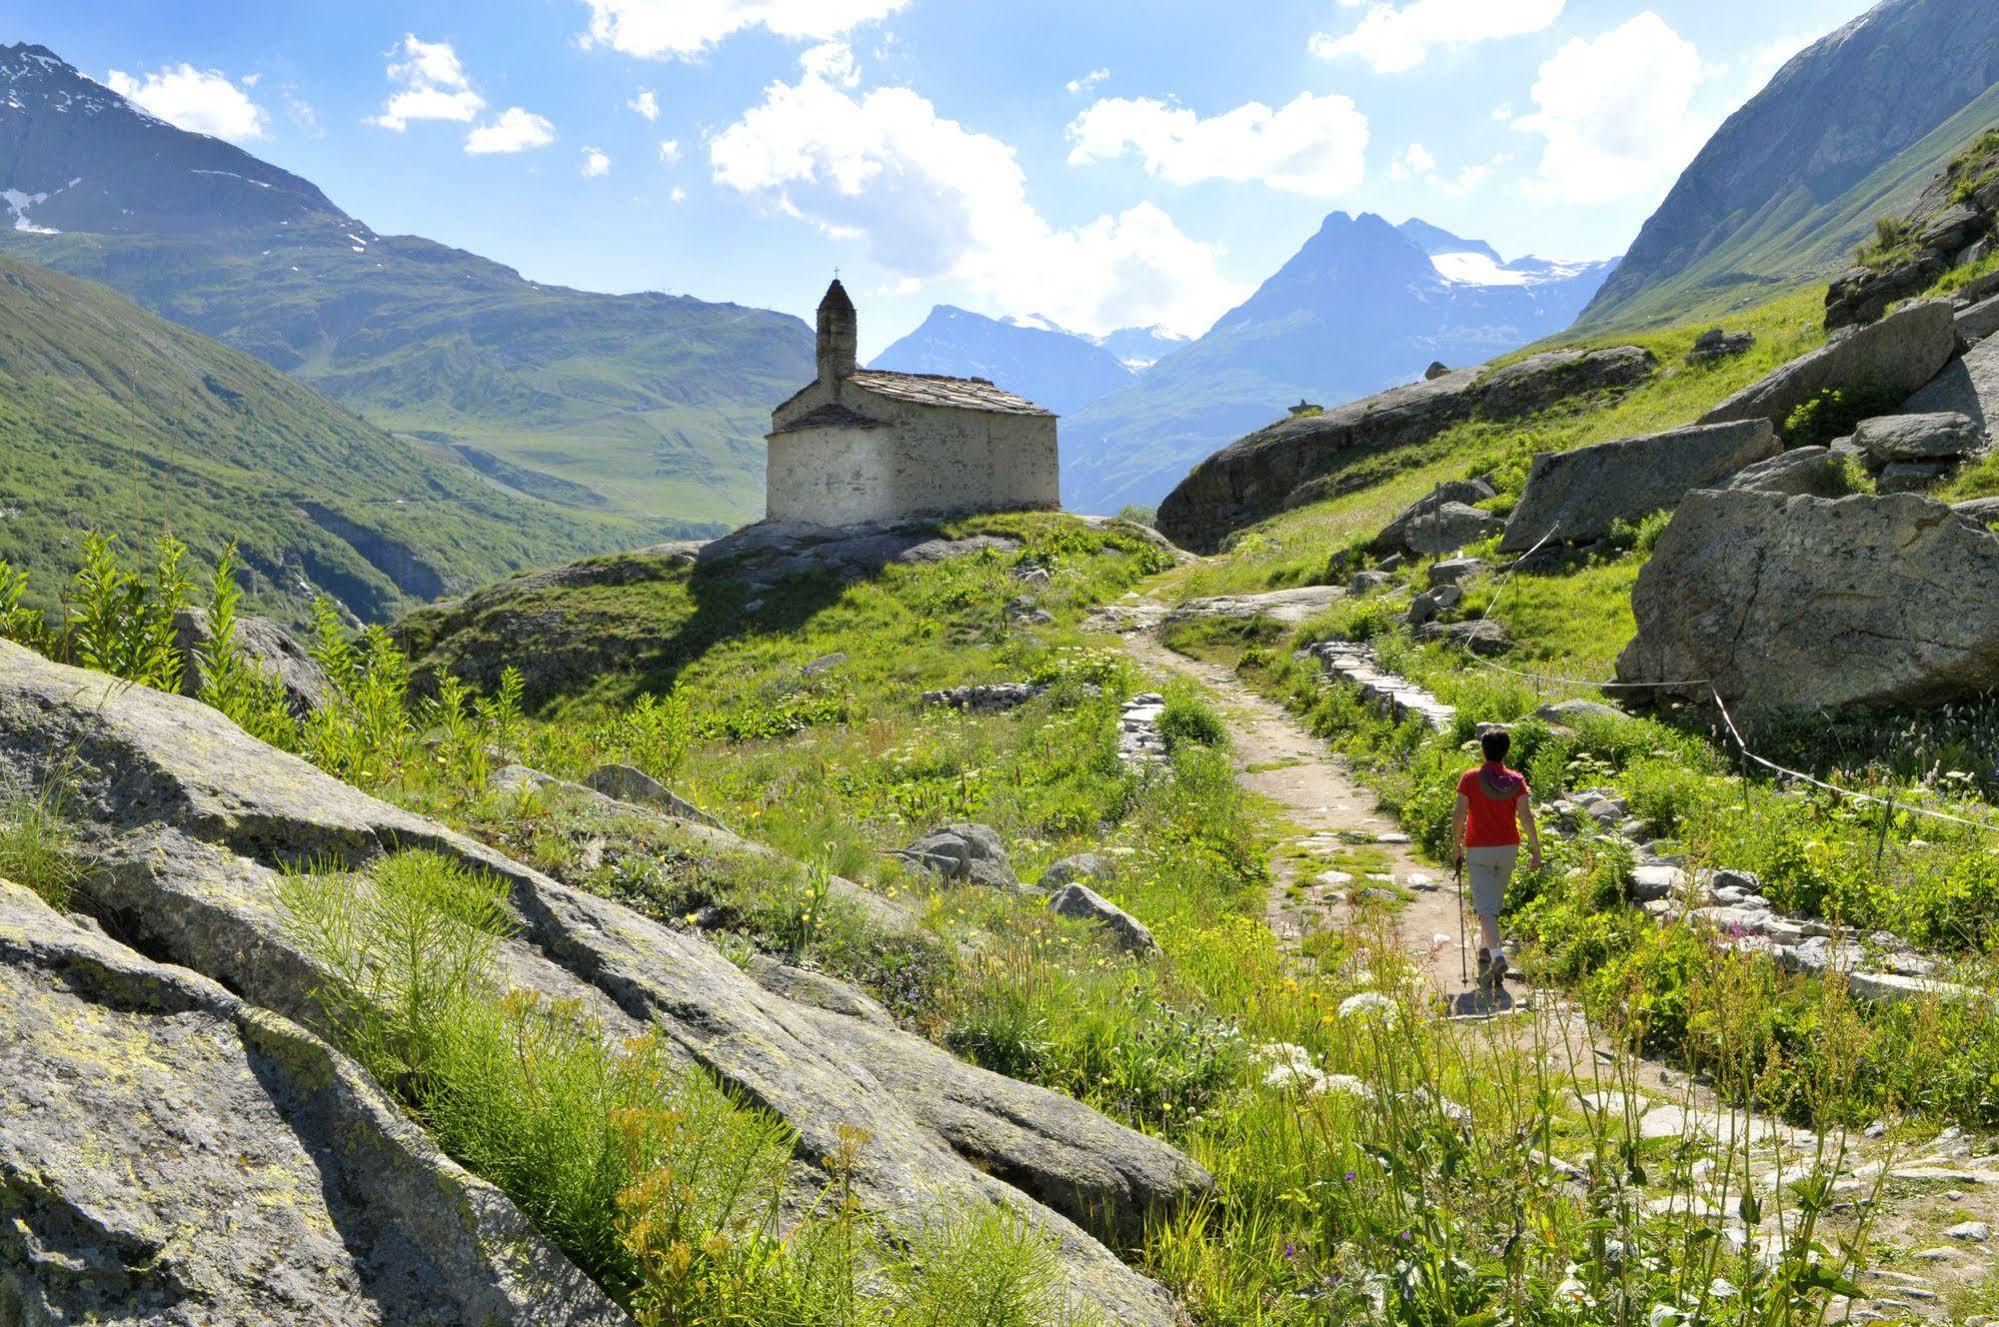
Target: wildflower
{"points": [[1355, 1006], [1291, 1250], [1572, 1292]]}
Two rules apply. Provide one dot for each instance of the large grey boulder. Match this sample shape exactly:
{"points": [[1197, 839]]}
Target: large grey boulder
{"points": [[626, 784], [1081, 903], [1449, 528], [187, 821], [1967, 386], [1979, 321], [1895, 356], [175, 1155], [963, 853], [264, 645], [1539, 381], [1919, 437], [1302, 459], [1442, 521], [1800, 603], [1082, 866], [1577, 496], [1817, 471]]}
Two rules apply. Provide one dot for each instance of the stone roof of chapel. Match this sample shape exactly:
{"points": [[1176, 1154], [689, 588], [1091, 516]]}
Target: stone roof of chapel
{"points": [[935, 389]]}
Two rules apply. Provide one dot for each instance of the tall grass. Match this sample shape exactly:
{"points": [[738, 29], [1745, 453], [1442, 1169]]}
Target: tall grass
{"points": [[660, 1185]]}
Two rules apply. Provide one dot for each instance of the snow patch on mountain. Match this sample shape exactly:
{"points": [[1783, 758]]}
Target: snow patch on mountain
{"points": [[18, 204]]}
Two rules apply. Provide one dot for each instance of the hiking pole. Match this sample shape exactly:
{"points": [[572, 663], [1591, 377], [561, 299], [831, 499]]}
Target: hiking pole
{"points": [[1464, 974]]}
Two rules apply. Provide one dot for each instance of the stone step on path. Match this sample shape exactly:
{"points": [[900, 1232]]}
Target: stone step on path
{"points": [[1139, 740], [1396, 697]]}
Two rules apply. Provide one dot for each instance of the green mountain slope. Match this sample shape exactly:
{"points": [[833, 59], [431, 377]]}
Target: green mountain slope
{"points": [[651, 405], [1850, 130], [114, 420]]}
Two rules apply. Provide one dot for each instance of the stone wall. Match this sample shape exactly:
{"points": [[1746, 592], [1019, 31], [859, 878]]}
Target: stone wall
{"points": [[919, 460]]}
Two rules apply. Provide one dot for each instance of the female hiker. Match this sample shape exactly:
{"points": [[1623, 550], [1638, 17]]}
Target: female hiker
{"points": [[1494, 809]]}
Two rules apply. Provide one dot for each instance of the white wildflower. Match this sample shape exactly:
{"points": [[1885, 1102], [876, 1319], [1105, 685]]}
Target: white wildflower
{"points": [[1572, 1292], [1367, 1002], [1345, 1085]]}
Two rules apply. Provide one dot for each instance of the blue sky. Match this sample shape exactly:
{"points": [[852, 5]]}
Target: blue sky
{"points": [[1101, 162]]}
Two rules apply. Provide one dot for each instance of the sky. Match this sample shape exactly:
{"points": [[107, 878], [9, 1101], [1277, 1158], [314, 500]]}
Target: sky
{"points": [[1100, 163]]}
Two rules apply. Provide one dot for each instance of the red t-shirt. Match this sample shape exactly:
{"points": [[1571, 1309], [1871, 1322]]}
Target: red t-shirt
{"points": [[1494, 793]]}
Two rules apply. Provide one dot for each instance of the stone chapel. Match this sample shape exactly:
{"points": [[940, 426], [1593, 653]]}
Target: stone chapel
{"points": [[859, 446]]}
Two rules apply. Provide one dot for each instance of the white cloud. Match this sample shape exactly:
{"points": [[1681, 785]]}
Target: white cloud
{"points": [[433, 85], [679, 195], [1616, 114], [300, 112], [933, 199], [1087, 83], [595, 163], [832, 61], [516, 130], [203, 101], [1314, 145], [669, 150], [656, 29], [1414, 162], [645, 103], [1392, 38]]}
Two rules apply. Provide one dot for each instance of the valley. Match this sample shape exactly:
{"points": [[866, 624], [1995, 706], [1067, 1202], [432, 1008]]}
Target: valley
{"points": [[458, 868]]}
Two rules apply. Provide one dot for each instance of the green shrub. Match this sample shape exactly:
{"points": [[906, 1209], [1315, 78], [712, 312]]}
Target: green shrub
{"points": [[1188, 719], [1835, 412], [38, 846]]}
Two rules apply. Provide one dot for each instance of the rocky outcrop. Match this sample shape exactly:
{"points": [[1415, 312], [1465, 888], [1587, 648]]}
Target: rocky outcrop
{"points": [[1967, 386], [1894, 357], [1287, 607], [1817, 471], [1083, 866], [1577, 496], [1714, 345], [1083, 904], [963, 854], [1951, 223], [175, 1155], [1441, 521], [1909, 453], [625, 784], [1299, 460], [1800, 603], [985, 698], [265, 646], [188, 821]]}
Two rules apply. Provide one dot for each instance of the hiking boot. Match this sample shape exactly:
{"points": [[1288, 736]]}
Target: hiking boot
{"points": [[1499, 968], [1484, 966]]}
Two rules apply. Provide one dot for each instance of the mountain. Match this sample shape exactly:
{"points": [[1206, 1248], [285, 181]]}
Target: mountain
{"points": [[1047, 365], [1850, 130], [1362, 306], [650, 405], [1139, 348], [112, 419]]}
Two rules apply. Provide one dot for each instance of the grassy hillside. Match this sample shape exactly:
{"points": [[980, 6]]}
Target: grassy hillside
{"points": [[1796, 240], [651, 406], [116, 421], [1293, 548]]}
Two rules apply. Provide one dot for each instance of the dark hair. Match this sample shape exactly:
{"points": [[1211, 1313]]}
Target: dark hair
{"points": [[1496, 742]]}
